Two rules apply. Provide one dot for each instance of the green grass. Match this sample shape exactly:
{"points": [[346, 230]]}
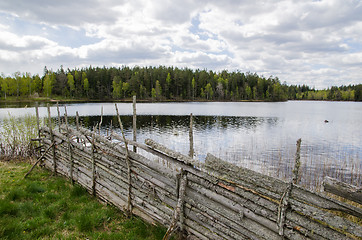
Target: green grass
{"points": [[47, 207]]}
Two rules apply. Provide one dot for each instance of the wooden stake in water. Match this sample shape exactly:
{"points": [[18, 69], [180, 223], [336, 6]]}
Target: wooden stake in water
{"points": [[100, 123], [77, 120], [77, 123], [191, 137], [297, 162], [59, 123], [37, 118], [110, 131], [134, 123]]}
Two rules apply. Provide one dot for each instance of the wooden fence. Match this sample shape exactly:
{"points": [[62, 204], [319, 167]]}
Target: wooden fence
{"points": [[209, 200]]}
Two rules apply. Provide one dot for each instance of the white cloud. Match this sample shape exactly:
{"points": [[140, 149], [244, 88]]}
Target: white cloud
{"points": [[312, 42]]}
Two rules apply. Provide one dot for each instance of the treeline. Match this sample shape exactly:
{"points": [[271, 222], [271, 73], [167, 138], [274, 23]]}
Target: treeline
{"points": [[164, 83]]}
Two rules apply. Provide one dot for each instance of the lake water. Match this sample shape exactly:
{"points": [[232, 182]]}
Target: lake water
{"points": [[260, 136]]}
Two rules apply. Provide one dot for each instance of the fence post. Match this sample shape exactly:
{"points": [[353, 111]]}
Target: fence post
{"points": [[129, 204], [37, 118], [178, 215], [77, 123], [110, 131], [93, 162], [100, 123], [284, 201], [52, 139], [70, 153], [77, 120], [191, 137], [58, 116], [134, 123]]}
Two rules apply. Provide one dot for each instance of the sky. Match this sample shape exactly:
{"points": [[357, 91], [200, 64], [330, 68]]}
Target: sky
{"points": [[317, 43]]}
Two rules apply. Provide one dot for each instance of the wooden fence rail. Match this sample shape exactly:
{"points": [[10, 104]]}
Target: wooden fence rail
{"points": [[210, 200]]}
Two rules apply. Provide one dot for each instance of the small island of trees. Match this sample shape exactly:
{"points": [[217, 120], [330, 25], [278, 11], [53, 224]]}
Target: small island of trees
{"points": [[162, 84]]}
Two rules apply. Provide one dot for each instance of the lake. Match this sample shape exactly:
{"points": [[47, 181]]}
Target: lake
{"points": [[259, 135]]}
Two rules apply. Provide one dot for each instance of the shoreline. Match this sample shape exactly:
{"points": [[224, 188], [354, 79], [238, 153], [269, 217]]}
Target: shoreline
{"points": [[129, 100]]}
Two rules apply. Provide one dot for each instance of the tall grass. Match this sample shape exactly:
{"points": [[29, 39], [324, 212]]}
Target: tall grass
{"points": [[15, 136]]}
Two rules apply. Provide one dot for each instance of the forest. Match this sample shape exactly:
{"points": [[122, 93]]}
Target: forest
{"points": [[163, 84]]}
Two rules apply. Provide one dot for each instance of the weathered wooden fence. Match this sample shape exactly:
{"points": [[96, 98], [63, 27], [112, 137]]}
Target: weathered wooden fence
{"points": [[210, 200]]}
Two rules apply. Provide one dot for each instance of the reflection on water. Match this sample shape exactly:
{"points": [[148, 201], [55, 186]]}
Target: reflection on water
{"points": [[260, 136]]}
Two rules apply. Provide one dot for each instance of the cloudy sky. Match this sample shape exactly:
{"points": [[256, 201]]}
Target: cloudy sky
{"points": [[318, 43]]}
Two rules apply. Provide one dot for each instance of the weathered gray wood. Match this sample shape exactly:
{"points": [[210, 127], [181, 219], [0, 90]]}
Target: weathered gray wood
{"points": [[191, 139], [129, 204], [37, 118], [218, 229], [59, 123], [70, 153], [52, 139], [229, 211], [284, 201], [326, 218], [200, 231], [310, 228], [110, 131], [137, 157], [93, 163], [139, 195], [178, 156], [272, 188], [138, 198], [297, 162], [342, 189], [221, 201], [134, 123], [249, 200], [213, 209], [100, 122], [39, 159], [178, 215], [77, 120], [179, 164]]}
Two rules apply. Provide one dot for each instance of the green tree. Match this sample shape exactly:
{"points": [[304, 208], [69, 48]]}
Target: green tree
{"points": [[153, 93], [24, 85], [158, 90], [37, 85], [116, 85], [168, 84], [209, 91], [193, 85], [143, 92], [71, 83], [125, 87], [12, 86], [4, 86], [86, 86], [202, 93], [47, 87], [84, 76], [248, 92], [17, 81], [358, 93]]}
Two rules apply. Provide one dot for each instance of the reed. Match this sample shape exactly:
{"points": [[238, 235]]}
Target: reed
{"points": [[16, 135]]}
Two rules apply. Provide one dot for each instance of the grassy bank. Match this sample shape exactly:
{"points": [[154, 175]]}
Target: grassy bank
{"points": [[47, 207]]}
